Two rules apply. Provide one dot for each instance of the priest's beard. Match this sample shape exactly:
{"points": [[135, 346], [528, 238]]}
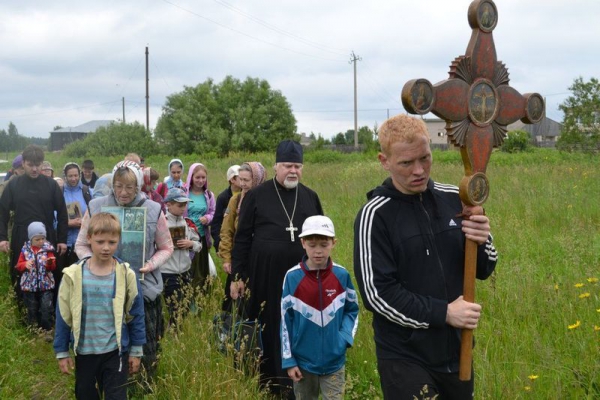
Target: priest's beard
{"points": [[290, 184]]}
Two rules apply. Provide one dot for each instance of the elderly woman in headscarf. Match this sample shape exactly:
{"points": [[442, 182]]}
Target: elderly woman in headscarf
{"points": [[127, 183], [173, 179], [251, 174]]}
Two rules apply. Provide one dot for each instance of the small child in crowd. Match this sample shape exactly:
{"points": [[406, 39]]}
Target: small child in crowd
{"points": [[318, 301], [36, 262], [176, 270], [100, 313]]}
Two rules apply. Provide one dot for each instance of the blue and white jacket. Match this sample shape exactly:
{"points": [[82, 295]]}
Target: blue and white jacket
{"points": [[319, 318]]}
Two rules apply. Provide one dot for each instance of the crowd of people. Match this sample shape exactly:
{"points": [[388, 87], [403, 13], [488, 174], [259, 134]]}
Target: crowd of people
{"points": [[68, 234]]}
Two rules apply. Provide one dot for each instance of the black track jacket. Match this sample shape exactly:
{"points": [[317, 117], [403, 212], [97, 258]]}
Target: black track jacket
{"points": [[409, 255]]}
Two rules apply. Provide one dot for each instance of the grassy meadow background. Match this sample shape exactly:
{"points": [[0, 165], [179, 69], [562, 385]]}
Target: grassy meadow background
{"points": [[539, 334]]}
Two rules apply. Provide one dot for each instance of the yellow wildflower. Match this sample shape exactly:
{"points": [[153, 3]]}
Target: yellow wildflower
{"points": [[533, 377], [527, 388], [578, 285], [556, 286], [592, 280], [575, 325], [596, 328], [584, 295]]}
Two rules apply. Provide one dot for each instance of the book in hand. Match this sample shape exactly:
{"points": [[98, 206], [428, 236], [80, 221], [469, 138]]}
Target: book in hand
{"points": [[177, 233], [74, 210]]}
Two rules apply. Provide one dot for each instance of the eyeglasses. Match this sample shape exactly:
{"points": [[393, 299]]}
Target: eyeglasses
{"points": [[128, 188]]}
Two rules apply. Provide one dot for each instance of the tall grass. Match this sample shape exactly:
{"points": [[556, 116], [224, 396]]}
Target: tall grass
{"points": [[540, 330]]}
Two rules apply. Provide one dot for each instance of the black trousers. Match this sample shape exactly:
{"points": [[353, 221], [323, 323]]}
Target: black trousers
{"points": [[40, 311], [176, 287], [402, 379], [101, 376]]}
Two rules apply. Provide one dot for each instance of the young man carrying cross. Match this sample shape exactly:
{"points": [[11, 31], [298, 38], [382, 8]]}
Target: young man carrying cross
{"points": [[408, 261]]}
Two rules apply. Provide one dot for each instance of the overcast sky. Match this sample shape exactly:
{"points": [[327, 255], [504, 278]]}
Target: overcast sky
{"points": [[68, 62]]}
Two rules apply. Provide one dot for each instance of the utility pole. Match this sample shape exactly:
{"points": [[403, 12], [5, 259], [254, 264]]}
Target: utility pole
{"points": [[353, 59], [123, 100], [147, 95]]}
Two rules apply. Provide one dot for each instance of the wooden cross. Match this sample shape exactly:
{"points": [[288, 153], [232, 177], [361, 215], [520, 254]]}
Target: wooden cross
{"points": [[477, 105], [291, 229]]}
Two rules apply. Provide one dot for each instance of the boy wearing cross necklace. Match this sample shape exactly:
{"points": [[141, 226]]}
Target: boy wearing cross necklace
{"points": [[101, 308]]}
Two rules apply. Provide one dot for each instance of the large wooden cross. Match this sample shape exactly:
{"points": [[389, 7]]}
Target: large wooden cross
{"points": [[477, 105]]}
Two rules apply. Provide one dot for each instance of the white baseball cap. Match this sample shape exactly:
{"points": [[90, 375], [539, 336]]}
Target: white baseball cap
{"points": [[234, 170], [317, 225]]}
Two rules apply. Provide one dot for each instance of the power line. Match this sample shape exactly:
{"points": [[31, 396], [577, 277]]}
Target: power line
{"points": [[247, 35], [160, 72], [281, 31], [383, 87], [347, 111], [126, 83]]}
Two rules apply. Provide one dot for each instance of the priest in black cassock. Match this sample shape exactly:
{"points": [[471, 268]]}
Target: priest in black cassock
{"points": [[266, 246], [33, 197]]}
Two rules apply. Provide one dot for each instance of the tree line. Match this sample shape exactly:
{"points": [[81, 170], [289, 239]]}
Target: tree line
{"points": [[250, 116], [11, 140]]}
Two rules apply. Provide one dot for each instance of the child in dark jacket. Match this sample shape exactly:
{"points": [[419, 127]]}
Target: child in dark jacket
{"points": [[319, 311], [36, 263], [100, 313]]}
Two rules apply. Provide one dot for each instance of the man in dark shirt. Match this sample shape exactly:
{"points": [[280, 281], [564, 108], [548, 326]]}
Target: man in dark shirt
{"points": [[33, 197], [266, 246]]}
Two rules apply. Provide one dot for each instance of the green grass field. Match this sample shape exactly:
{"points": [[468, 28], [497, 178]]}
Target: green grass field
{"points": [[539, 334]]}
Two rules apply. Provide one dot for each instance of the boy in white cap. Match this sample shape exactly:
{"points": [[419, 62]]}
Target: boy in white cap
{"points": [[35, 265], [318, 301], [233, 175], [186, 241]]}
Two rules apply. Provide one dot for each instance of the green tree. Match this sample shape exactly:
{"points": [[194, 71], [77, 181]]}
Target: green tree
{"points": [[339, 139], [517, 141], [4, 143], [115, 139], [581, 124], [229, 116]]}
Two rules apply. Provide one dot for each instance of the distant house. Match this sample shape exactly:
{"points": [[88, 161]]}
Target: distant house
{"points": [[64, 136], [305, 140], [543, 134]]}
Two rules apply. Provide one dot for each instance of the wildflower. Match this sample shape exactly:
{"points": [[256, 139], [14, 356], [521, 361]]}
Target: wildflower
{"points": [[598, 310], [533, 377], [575, 325], [584, 295], [596, 328], [570, 206], [578, 285], [527, 388], [592, 280], [556, 286]]}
